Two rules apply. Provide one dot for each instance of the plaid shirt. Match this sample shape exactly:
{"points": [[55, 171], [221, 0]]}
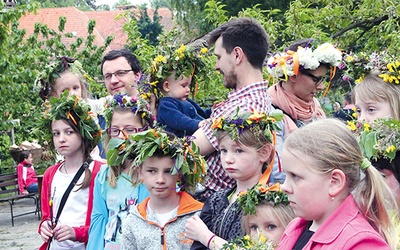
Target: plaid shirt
{"points": [[251, 97]]}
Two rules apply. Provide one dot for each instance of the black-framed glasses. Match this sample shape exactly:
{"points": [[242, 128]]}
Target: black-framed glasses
{"points": [[118, 74], [316, 80], [126, 131]]}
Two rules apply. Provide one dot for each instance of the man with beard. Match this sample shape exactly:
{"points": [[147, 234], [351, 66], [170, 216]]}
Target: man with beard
{"points": [[241, 46]]}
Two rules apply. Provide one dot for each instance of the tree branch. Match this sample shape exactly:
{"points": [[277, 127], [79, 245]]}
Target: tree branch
{"points": [[365, 25]]}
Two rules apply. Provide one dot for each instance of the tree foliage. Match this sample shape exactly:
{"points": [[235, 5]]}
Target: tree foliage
{"points": [[367, 26], [22, 58]]}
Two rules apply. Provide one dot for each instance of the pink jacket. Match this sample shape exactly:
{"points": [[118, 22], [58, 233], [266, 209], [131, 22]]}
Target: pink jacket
{"points": [[24, 181], [81, 232], [344, 229]]}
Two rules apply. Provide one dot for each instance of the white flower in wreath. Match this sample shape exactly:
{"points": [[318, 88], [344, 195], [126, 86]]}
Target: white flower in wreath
{"points": [[307, 58], [327, 53]]}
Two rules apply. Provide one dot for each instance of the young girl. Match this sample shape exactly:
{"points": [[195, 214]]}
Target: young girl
{"points": [[266, 212], [377, 95], [246, 146], [266, 215], [26, 173], [336, 193], [170, 165], [67, 74], [63, 74], [117, 188], [67, 191]]}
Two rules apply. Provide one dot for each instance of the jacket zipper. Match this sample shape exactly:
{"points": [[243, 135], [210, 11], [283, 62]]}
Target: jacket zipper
{"points": [[224, 217]]}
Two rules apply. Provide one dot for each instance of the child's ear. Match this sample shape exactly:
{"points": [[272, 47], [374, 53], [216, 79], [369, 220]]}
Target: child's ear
{"points": [[337, 182], [265, 153], [166, 86]]}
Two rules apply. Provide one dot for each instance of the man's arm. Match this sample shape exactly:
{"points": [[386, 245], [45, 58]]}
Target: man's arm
{"points": [[203, 143]]}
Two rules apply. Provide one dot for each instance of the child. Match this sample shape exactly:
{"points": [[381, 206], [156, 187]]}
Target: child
{"points": [[67, 74], [175, 79], [377, 94], [266, 212], [246, 147], [116, 187], [167, 163], [26, 174], [63, 74], [67, 191], [338, 197]]}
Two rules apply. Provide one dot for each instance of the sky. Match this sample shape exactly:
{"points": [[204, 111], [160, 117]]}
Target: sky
{"points": [[112, 2]]}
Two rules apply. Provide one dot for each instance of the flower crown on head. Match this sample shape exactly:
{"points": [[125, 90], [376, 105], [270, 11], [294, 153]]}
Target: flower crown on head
{"points": [[75, 109], [46, 78], [185, 61], [246, 242], [137, 104], [289, 63], [248, 200], [260, 124], [358, 65], [143, 145], [379, 139]]}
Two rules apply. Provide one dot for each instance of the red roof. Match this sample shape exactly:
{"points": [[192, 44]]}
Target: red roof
{"points": [[77, 21]]}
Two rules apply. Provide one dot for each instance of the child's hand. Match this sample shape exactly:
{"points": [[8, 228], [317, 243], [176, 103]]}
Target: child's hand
{"points": [[25, 192], [197, 230], [64, 232], [45, 230], [201, 123]]}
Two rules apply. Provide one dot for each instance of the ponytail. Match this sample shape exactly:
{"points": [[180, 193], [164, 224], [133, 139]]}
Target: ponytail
{"points": [[375, 201], [88, 177]]}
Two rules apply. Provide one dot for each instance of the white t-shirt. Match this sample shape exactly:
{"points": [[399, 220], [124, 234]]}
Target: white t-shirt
{"points": [[164, 218], [75, 208]]}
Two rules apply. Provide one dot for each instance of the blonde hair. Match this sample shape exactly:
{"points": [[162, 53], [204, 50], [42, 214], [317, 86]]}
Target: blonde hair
{"points": [[330, 145], [82, 82], [283, 213], [115, 171], [373, 88]]}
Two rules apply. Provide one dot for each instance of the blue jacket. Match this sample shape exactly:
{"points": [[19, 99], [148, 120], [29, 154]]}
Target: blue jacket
{"points": [[110, 206], [180, 117]]}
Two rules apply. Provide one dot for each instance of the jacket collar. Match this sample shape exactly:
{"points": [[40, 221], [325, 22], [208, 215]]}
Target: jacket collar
{"points": [[187, 204]]}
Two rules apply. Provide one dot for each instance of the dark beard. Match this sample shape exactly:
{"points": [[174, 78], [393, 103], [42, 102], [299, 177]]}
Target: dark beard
{"points": [[230, 80]]}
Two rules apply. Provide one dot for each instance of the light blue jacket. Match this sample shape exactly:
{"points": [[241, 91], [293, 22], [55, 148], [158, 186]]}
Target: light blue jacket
{"points": [[110, 207]]}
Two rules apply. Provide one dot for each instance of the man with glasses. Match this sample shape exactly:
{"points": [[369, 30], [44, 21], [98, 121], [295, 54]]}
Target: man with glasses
{"points": [[121, 72]]}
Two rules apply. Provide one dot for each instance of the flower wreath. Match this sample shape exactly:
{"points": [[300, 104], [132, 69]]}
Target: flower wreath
{"points": [[379, 139], [357, 66], [282, 65], [246, 242], [75, 109], [137, 104], [46, 78], [188, 161], [260, 124], [289, 63], [248, 200], [185, 61]]}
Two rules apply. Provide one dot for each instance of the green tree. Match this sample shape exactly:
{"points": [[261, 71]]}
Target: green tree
{"points": [[22, 58], [150, 29], [80, 4]]}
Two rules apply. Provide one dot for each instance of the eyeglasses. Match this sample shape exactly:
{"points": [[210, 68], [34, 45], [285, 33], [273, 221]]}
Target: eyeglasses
{"points": [[118, 74], [316, 80], [114, 132]]}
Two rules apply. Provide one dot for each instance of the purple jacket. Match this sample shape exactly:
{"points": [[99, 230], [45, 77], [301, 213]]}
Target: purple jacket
{"points": [[344, 229]]}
